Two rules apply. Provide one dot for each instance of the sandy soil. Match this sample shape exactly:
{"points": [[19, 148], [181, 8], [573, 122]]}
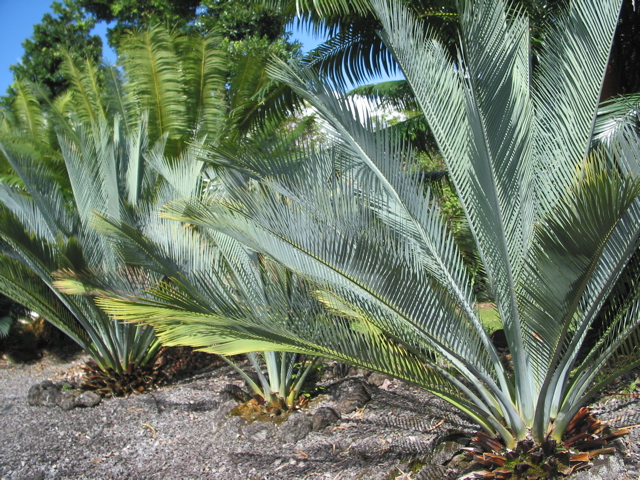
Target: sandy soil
{"points": [[181, 431]]}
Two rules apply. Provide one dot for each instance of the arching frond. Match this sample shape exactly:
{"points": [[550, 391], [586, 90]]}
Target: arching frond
{"points": [[205, 74], [567, 94], [27, 113], [85, 89], [354, 55], [620, 114], [155, 79]]}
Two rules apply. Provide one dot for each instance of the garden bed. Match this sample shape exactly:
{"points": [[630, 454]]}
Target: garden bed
{"points": [[182, 431]]}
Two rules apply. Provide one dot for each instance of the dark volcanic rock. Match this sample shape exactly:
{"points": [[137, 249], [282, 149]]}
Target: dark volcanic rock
{"points": [[259, 431], [88, 399], [323, 417], [377, 379], [352, 399], [67, 399], [63, 394], [45, 394], [221, 415], [297, 426]]}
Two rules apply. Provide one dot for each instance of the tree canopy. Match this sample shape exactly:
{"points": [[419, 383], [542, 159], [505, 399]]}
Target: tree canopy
{"points": [[68, 28], [231, 19]]}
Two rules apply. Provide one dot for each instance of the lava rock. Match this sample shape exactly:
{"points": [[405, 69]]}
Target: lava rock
{"points": [[45, 394], [297, 427], [67, 399], [351, 400], [377, 379], [221, 415], [323, 417], [88, 400], [259, 431], [63, 394]]}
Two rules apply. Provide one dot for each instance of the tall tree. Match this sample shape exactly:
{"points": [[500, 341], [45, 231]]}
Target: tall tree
{"points": [[231, 19], [67, 29]]}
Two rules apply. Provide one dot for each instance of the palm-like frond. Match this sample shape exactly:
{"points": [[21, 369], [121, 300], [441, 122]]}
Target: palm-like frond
{"points": [[580, 263], [354, 55], [85, 87], [567, 93], [42, 205], [395, 94], [555, 232], [323, 8], [27, 114], [305, 239], [18, 283], [205, 75], [461, 104], [45, 230], [616, 117], [154, 80], [252, 96]]}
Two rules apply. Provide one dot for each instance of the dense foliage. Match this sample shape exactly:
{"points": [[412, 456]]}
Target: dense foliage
{"points": [[556, 225], [232, 19], [337, 248], [68, 28], [43, 230]]}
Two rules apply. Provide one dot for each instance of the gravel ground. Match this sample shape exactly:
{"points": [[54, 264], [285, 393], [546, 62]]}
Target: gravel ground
{"points": [[181, 431]]}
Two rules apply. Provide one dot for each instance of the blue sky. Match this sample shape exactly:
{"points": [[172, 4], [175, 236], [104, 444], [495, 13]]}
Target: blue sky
{"points": [[16, 24]]}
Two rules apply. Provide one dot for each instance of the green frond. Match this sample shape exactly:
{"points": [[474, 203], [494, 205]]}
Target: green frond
{"points": [[155, 79], [617, 116], [249, 86], [20, 284], [42, 207], [354, 55], [395, 94], [568, 83], [416, 315], [615, 352], [85, 88], [115, 99], [27, 113], [579, 252], [237, 347], [205, 74], [324, 8], [328, 339]]}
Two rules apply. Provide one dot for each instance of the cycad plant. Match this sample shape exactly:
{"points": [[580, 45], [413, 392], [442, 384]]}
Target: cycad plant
{"points": [[207, 272], [556, 225], [45, 228]]}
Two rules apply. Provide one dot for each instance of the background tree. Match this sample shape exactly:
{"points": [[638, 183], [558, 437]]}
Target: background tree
{"points": [[233, 19], [251, 34], [624, 75], [66, 30]]}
